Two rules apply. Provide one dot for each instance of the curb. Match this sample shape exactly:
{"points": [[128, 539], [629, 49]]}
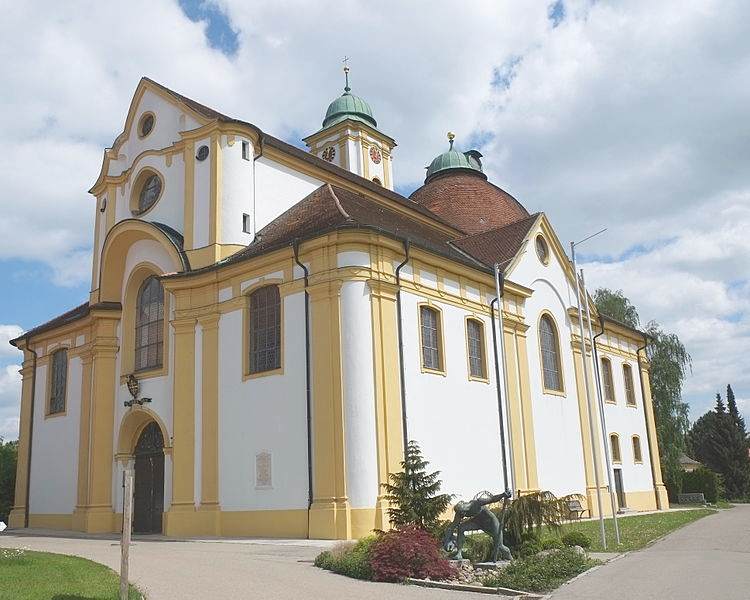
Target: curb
{"points": [[479, 589]]}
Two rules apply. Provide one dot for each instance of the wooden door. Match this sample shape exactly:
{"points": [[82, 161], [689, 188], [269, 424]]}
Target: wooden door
{"points": [[619, 489], [148, 505]]}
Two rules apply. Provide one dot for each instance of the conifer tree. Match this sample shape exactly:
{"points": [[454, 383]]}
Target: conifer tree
{"points": [[720, 408], [732, 405], [413, 492]]}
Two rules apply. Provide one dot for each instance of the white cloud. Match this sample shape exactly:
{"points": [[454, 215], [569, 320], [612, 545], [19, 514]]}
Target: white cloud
{"points": [[7, 333], [626, 115], [10, 401]]}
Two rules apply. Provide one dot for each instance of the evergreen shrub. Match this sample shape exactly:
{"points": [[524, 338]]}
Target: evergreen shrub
{"points": [[576, 538], [704, 481]]}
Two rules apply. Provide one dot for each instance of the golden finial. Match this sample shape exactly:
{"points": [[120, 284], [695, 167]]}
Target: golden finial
{"points": [[451, 137]]}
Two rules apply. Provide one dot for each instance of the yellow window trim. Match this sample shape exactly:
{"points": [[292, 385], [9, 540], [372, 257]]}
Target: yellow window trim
{"points": [[545, 389], [141, 119], [246, 374], [617, 460], [135, 190], [627, 373], [602, 360], [50, 365], [441, 340], [483, 339], [634, 438]]}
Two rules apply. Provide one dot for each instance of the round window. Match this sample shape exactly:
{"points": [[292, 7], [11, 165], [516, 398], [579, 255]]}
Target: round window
{"points": [[150, 192], [146, 124], [202, 153], [542, 251]]}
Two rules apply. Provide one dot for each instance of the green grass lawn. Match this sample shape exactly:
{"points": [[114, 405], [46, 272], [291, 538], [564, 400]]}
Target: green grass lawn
{"points": [[638, 530], [26, 575]]}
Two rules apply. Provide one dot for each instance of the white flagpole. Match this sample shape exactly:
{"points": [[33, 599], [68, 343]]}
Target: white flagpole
{"points": [[587, 386], [605, 435], [505, 400], [127, 524]]}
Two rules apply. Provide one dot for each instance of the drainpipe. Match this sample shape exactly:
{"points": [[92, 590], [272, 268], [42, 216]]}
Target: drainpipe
{"points": [[295, 247], [645, 417], [499, 395], [31, 439], [401, 343]]}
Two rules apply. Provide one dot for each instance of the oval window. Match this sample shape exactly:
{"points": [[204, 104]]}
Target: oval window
{"points": [[150, 191], [541, 250], [146, 124]]}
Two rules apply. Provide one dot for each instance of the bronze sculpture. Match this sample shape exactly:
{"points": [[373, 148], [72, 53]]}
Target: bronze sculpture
{"points": [[475, 516]]}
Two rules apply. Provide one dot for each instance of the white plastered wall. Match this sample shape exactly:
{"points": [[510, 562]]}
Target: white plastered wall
{"points": [[263, 414], [236, 190]]}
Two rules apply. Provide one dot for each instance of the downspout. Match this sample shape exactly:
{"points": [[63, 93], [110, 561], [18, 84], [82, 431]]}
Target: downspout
{"points": [[401, 343], [295, 247], [31, 439], [499, 395], [645, 418]]}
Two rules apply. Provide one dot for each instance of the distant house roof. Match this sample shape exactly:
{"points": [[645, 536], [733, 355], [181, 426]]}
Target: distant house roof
{"points": [[685, 461]]}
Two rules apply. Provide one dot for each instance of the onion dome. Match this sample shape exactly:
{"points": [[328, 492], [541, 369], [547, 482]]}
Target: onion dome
{"points": [[348, 106], [456, 190]]}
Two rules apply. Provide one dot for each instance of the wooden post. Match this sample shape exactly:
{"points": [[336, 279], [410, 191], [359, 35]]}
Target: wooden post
{"points": [[127, 525]]}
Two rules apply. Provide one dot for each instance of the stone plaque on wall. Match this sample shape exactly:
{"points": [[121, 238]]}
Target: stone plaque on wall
{"points": [[263, 470]]}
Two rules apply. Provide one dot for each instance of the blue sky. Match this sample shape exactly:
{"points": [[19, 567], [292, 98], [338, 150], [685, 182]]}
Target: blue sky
{"points": [[589, 111]]}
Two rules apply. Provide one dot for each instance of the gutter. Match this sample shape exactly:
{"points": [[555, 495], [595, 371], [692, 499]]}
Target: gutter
{"points": [[401, 343], [31, 439], [308, 391], [499, 392]]}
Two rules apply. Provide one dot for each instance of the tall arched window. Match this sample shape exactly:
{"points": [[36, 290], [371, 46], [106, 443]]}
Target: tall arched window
{"points": [[475, 345], [627, 374], [149, 325], [607, 382], [614, 441], [431, 336], [265, 329], [637, 454], [58, 381], [550, 348]]}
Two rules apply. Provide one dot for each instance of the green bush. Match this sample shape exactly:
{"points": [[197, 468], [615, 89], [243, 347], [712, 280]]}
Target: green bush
{"points": [[576, 538], [350, 559], [552, 543], [477, 547], [8, 458], [529, 548], [541, 573], [704, 481]]}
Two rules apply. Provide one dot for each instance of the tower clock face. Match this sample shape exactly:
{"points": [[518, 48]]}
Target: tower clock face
{"points": [[375, 155], [329, 153]]}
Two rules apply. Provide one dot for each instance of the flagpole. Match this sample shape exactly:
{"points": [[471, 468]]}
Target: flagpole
{"points": [[587, 386], [605, 435], [501, 360]]}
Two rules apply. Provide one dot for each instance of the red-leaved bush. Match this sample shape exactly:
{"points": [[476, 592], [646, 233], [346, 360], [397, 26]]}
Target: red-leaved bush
{"points": [[408, 552]]}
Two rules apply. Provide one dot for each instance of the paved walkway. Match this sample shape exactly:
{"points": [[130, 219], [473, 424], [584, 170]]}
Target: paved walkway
{"points": [[706, 560], [234, 569]]}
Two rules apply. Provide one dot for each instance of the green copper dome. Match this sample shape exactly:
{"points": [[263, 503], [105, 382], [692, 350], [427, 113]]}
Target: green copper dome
{"points": [[349, 106], [453, 159]]}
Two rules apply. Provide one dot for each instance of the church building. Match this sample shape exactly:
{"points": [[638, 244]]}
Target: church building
{"points": [[268, 326]]}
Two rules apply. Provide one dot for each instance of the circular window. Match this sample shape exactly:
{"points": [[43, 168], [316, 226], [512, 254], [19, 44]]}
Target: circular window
{"points": [[542, 251], [202, 153], [146, 124], [329, 153], [148, 190]]}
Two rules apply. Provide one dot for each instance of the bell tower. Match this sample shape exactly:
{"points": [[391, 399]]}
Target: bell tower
{"points": [[350, 139]]}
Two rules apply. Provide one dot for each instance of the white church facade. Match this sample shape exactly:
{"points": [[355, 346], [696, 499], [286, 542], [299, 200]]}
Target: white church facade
{"points": [[267, 326]]}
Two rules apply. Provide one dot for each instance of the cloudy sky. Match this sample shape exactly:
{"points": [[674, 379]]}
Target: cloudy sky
{"points": [[626, 115]]}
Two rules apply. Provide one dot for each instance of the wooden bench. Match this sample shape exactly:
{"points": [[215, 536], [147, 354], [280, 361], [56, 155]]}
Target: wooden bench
{"points": [[575, 510], [694, 498]]}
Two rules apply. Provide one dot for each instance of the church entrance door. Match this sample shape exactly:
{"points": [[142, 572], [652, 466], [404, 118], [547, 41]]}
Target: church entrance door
{"points": [[148, 504]]}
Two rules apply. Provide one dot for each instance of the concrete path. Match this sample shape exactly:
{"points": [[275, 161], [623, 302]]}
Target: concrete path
{"points": [[234, 569], [706, 560]]}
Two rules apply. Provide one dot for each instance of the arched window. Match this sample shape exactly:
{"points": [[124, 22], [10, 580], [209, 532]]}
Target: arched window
{"points": [[627, 375], [431, 338], [265, 329], [550, 348], [475, 345], [58, 381], [607, 383], [637, 455], [149, 325], [614, 441]]}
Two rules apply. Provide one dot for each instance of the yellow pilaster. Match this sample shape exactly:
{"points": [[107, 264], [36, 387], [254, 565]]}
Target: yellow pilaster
{"points": [[98, 514], [210, 422], [515, 412], [387, 390], [18, 511], [330, 513], [84, 439], [189, 203], [527, 415], [662, 501], [180, 518]]}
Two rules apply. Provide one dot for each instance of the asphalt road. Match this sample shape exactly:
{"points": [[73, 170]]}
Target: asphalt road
{"points": [[706, 560]]}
